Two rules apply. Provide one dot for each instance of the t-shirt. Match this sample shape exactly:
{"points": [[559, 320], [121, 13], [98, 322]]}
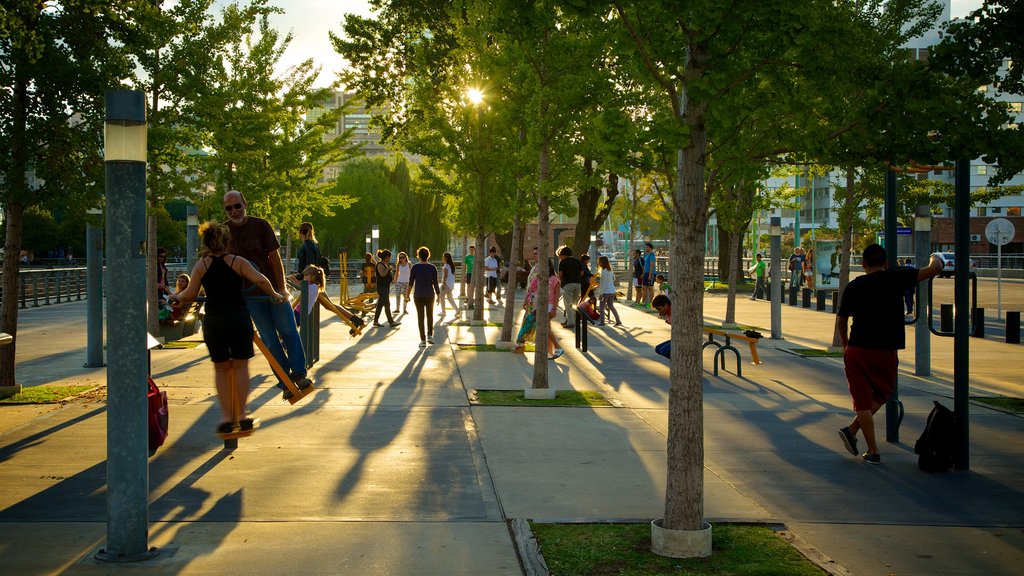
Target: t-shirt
{"points": [[490, 262], [253, 240], [468, 261], [650, 261], [796, 262], [875, 303], [449, 280], [638, 267], [571, 269], [759, 269], [423, 280]]}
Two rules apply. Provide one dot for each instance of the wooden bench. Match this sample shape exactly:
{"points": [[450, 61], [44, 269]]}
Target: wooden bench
{"points": [[727, 345], [185, 325]]}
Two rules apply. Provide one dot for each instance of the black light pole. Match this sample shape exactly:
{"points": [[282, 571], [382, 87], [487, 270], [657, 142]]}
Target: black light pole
{"points": [[962, 312], [124, 151], [893, 408]]}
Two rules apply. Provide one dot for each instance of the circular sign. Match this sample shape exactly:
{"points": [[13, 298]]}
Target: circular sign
{"points": [[1000, 231]]}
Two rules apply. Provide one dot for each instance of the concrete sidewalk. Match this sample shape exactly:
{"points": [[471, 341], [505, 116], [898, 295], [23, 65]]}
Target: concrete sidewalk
{"points": [[388, 469]]}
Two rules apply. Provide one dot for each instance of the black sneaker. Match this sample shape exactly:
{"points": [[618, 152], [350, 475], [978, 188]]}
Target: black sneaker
{"points": [[247, 424], [849, 440], [227, 428], [872, 458]]}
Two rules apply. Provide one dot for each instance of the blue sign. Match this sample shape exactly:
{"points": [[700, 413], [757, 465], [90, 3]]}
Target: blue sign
{"points": [[904, 230]]}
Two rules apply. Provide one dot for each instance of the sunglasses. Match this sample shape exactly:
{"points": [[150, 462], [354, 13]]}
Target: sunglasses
{"points": [[231, 207]]}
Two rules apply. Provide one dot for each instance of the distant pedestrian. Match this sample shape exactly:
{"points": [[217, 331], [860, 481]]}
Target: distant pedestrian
{"points": [[404, 267], [423, 285], [638, 278], [796, 267], [448, 283], [491, 274], [875, 302], [758, 272], [227, 328], [367, 274], [467, 266], [809, 269], [383, 276], [606, 291], [650, 271], [570, 274]]}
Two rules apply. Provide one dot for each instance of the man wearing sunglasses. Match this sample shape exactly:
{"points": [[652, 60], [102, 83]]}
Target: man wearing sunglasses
{"points": [[253, 239]]}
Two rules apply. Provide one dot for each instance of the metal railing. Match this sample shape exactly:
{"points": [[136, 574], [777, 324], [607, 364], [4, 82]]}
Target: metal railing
{"points": [[50, 286]]}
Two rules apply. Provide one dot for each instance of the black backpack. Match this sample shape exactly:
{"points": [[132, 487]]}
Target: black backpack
{"points": [[314, 255], [938, 441]]}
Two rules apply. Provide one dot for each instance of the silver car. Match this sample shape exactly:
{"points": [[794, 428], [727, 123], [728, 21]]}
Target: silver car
{"points": [[949, 265]]}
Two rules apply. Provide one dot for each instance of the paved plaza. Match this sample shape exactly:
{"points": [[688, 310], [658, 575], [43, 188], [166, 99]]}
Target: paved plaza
{"points": [[389, 469]]}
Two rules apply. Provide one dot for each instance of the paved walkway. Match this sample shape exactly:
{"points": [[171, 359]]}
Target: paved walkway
{"points": [[388, 468]]}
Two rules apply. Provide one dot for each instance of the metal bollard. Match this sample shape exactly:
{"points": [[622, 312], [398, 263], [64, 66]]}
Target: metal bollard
{"points": [[1013, 327], [946, 318], [806, 298], [820, 304], [793, 291], [979, 323]]}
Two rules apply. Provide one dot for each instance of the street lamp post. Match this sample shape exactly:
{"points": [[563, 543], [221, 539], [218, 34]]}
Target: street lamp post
{"points": [[775, 231], [94, 290], [191, 236], [922, 250], [368, 245], [124, 154]]}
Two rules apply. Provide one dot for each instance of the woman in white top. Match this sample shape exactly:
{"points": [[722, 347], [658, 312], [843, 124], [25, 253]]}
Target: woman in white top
{"points": [[606, 290], [402, 283], [448, 283]]}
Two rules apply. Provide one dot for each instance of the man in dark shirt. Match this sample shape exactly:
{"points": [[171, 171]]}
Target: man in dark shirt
{"points": [[253, 239], [570, 273], [875, 302]]}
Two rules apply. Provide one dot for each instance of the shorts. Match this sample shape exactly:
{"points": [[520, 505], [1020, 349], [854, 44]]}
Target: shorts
{"points": [[228, 337], [636, 281], [469, 277], [870, 374], [492, 284], [648, 281]]}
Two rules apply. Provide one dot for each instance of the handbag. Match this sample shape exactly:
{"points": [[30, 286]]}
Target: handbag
{"points": [[157, 402]]}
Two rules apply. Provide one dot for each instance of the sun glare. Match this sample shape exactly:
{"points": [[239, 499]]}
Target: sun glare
{"points": [[475, 95]]}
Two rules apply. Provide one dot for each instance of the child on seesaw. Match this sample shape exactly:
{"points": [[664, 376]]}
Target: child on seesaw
{"points": [[314, 276]]}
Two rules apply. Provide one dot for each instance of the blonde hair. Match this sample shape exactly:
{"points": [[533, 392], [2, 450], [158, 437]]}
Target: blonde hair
{"points": [[216, 237], [317, 273], [185, 276]]}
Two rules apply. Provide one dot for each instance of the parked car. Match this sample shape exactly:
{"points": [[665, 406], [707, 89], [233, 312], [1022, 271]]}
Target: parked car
{"points": [[949, 265]]}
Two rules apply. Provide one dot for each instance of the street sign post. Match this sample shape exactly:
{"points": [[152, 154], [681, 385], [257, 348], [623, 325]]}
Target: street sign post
{"points": [[999, 232]]}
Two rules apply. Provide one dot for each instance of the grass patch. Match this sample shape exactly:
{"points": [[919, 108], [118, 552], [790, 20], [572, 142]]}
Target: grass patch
{"points": [[1010, 404], [816, 353], [712, 287], [625, 549], [469, 323], [516, 398], [181, 344], [45, 394], [481, 348]]}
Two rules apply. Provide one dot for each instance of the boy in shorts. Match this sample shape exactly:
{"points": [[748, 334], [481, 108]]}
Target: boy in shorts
{"points": [[875, 302]]}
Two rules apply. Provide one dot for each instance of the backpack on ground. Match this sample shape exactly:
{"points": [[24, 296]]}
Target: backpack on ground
{"points": [[937, 443]]}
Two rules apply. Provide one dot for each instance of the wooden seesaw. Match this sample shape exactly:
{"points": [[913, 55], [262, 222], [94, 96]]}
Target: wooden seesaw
{"points": [[281, 373]]}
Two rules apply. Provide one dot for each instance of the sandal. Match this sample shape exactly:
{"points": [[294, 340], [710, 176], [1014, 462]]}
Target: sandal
{"points": [[226, 428], [247, 424]]}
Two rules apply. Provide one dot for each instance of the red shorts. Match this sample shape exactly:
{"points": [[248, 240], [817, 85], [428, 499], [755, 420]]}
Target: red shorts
{"points": [[871, 375]]}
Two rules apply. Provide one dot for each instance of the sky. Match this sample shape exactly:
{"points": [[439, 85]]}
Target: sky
{"points": [[311, 20]]}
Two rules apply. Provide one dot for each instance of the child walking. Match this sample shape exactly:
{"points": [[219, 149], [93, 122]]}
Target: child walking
{"points": [[606, 291]]}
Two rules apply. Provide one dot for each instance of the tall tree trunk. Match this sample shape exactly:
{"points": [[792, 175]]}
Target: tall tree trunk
{"points": [[684, 490], [13, 216], [540, 354], [512, 265], [478, 275], [16, 195], [846, 217], [589, 218], [736, 241]]}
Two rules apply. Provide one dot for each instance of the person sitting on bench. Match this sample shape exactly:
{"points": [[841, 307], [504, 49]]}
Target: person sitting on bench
{"points": [[663, 305]]}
